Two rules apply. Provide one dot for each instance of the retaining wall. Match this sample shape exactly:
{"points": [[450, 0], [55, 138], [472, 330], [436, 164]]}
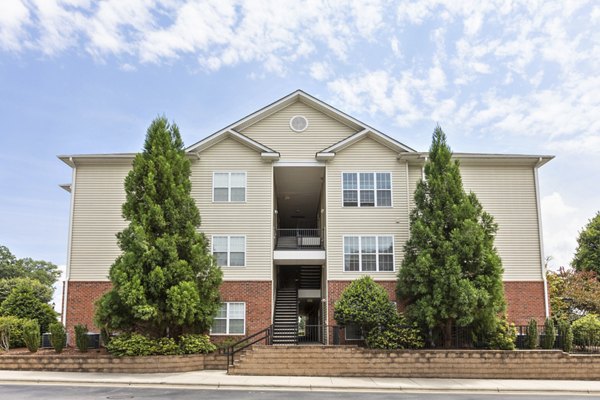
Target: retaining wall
{"points": [[478, 364]]}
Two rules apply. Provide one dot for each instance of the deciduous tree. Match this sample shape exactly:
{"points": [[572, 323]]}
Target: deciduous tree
{"points": [[587, 254]]}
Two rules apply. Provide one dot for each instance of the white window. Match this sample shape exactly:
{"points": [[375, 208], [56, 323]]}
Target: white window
{"points": [[367, 189], [229, 186], [230, 320], [368, 253], [230, 251]]}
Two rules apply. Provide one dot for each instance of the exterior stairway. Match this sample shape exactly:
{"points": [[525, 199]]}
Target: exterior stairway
{"points": [[310, 277], [285, 321]]}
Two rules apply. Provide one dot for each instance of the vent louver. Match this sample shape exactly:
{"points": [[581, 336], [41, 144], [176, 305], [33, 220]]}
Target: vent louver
{"points": [[298, 123]]}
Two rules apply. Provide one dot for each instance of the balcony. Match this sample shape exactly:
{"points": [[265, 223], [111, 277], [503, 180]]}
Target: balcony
{"points": [[299, 246], [297, 239]]}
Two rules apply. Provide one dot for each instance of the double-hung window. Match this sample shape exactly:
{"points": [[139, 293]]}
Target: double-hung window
{"points": [[367, 189], [230, 251], [230, 319], [368, 253], [229, 186]]}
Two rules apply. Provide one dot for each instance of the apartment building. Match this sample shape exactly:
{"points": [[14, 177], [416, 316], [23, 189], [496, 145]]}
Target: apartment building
{"points": [[298, 199]]}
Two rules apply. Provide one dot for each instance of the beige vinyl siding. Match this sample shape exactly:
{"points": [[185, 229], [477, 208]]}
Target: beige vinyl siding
{"points": [[364, 156], [251, 219], [99, 194], [274, 131], [508, 193], [415, 173]]}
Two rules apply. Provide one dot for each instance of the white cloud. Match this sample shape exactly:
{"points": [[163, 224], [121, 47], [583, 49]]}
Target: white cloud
{"points": [[320, 71], [13, 17], [561, 224]]}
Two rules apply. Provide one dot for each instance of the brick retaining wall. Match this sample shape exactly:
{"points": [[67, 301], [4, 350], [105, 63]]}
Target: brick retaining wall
{"points": [[107, 363], [477, 364]]}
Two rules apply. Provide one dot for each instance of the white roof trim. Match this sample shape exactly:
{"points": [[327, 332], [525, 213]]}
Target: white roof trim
{"points": [[297, 95], [230, 133], [538, 159], [329, 153]]}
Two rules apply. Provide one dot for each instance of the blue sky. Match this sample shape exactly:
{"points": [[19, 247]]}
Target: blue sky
{"points": [[79, 76]]}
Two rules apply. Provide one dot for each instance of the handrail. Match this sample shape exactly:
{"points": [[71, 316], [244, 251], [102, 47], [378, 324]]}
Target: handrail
{"points": [[231, 350]]}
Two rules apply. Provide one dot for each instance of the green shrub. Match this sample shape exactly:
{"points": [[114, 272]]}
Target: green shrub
{"points": [[13, 331], [504, 337], [22, 302], [586, 331], [531, 335], [549, 334], [31, 335], [58, 336], [566, 334], [196, 344], [366, 304], [395, 335], [131, 344], [82, 340], [167, 347]]}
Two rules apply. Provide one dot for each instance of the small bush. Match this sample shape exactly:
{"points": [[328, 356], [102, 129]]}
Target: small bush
{"points": [[549, 335], [504, 337], [31, 335], [131, 344], [566, 335], [167, 347], [196, 344], [586, 331], [11, 332], [82, 340], [397, 336], [364, 303], [531, 336], [58, 336]]}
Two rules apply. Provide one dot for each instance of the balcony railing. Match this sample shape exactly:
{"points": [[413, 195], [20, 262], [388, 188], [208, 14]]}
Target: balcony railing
{"points": [[299, 238]]}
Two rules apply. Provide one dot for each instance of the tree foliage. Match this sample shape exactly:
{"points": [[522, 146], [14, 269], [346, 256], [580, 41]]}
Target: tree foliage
{"points": [[165, 282], [41, 291], [587, 254], [451, 274], [11, 267], [22, 302], [573, 293], [364, 303]]}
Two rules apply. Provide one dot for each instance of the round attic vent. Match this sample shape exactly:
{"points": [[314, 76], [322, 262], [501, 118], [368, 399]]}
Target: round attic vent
{"points": [[298, 123]]}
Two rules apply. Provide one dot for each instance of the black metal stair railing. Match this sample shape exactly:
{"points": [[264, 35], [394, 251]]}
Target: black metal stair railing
{"points": [[265, 334]]}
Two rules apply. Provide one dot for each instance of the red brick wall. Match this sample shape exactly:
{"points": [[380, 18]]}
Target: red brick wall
{"points": [[525, 300], [81, 297], [256, 295], [258, 298]]}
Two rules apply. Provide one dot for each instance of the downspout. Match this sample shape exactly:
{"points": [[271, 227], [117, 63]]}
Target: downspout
{"points": [[68, 267], [541, 236]]}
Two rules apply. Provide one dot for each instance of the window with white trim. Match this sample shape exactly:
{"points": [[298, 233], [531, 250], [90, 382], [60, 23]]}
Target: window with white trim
{"points": [[367, 189], [368, 253], [230, 319], [229, 251], [229, 186]]}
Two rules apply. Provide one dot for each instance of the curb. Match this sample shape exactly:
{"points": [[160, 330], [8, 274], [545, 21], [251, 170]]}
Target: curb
{"points": [[307, 388]]}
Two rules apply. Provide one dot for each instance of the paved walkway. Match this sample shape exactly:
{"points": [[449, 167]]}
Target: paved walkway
{"points": [[220, 380]]}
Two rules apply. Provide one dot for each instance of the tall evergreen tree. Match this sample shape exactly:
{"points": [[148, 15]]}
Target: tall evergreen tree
{"points": [[165, 282], [587, 255], [451, 274]]}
